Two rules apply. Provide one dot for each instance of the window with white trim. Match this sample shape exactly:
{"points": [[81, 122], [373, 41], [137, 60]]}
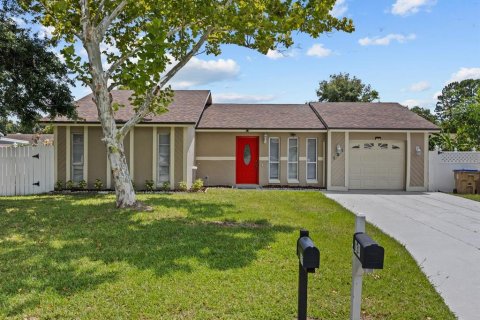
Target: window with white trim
{"points": [[77, 157], [292, 164], [163, 172], [311, 159], [274, 159]]}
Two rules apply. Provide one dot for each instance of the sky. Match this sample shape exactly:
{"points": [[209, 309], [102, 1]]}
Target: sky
{"points": [[407, 50]]}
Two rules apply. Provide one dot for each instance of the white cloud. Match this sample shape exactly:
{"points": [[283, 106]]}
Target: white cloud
{"points": [[384, 41], [465, 73], [241, 98], [276, 54], [435, 95], [339, 8], [407, 7], [45, 32], [420, 86], [318, 50], [200, 72], [19, 21], [411, 103]]}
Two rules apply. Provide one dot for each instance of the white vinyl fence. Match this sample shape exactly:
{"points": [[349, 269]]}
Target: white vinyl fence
{"points": [[442, 165], [26, 170]]}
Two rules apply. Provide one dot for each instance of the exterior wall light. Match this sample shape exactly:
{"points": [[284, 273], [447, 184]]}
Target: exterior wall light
{"points": [[265, 137], [418, 150], [339, 150]]}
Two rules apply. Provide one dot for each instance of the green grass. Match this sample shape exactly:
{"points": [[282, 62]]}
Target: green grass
{"points": [[474, 197], [225, 254]]}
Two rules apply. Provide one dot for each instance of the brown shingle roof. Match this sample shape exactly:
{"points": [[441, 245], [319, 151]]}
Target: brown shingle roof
{"points": [[186, 107], [379, 116], [259, 116]]}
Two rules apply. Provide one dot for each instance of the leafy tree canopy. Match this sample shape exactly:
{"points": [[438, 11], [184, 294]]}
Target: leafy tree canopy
{"points": [[455, 95], [425, 113], [33, 81], [343, 88]]}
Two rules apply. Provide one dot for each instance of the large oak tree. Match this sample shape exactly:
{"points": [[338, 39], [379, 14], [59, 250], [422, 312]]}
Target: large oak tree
{"points": [[153, 40]]}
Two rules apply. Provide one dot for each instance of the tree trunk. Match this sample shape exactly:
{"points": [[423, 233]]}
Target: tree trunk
{"points": [[125, 194]]}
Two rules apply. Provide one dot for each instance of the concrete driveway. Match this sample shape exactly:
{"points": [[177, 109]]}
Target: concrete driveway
{"points": [[441, 231]]}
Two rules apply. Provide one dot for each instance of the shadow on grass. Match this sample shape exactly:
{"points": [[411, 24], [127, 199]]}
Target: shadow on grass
{"points": [[70, 244]]}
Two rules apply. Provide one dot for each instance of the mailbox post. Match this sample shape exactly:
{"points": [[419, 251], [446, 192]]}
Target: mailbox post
{"points": [[308, 261], [367, 255]]}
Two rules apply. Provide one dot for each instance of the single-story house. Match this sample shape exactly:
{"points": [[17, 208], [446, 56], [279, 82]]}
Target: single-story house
{"points": [[337, 146]]}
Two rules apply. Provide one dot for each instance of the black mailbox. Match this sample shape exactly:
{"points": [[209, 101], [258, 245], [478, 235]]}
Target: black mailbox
{"points": [[308, 254], [368, 251]]}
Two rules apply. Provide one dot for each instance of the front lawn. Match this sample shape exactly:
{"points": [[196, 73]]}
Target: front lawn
{"points": [[474, 197], [225, 254]]}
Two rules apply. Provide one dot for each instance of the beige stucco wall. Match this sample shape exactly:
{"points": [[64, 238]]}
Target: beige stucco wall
{"points": [[143, 155], [223, 145], [97, 157], [417, 161], [61, 154], [338, 162]]}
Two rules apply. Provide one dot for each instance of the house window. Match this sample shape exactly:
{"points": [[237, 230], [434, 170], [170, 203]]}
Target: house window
{"points": [[312, 159], [292, 166], [163, 174], [77, 157], [274, 160]]}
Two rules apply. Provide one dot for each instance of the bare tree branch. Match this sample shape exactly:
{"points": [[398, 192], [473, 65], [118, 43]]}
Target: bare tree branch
{"points": [[103, 26], [143, 110]]}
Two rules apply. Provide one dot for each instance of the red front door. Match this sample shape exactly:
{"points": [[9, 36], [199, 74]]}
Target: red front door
{"points": [[247, 160]]}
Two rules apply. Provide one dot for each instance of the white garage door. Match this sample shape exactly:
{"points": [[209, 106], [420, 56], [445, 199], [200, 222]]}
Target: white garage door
{"points": [[378, 164]]}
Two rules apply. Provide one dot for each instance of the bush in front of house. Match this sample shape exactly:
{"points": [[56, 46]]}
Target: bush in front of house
{"points": [[59, 185], [182, 186], [149, 185], [69, 185], [166, 186], [197, 185], [82, 185], [98, 185]]}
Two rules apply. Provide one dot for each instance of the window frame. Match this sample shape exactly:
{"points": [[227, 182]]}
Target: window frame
{"points": [[315, 162], [161, 182], [292, 180], [81, 164], [270, 180]]}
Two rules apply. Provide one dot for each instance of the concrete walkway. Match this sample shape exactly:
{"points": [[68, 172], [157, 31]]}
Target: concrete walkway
{"points": [[441, 231]]}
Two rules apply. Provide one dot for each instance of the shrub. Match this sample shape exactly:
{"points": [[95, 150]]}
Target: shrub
{"points": [[197, 185], [98, 184], [149, 185], [166, 186], [59, 185], [182, 186], [69, 184], [82, 184]]}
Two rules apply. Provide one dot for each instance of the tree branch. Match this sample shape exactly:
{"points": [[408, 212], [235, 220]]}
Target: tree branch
{"points": [[84, 20], [103, 26], [143, 110]]}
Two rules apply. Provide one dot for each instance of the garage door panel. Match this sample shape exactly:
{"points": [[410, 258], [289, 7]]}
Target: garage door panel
{"points": [[377, 165]]}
